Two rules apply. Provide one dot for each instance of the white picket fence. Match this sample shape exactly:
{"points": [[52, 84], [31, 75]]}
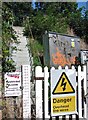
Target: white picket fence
{"points": [[42, 96], [42, 92]]}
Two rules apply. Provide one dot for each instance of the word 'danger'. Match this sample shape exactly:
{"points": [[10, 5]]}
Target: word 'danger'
{"points": [[63, 104]]}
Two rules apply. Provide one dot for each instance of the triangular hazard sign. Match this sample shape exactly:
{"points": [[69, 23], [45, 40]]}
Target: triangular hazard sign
{"points": [[63, 86]]}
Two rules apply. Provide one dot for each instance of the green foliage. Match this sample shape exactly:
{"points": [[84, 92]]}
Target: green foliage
{"points": [[8, 66], [8, 37], [36, 61], [57, 17], [46, 17], [37, 50], [53, 16], [20, 11], [79, 23]]}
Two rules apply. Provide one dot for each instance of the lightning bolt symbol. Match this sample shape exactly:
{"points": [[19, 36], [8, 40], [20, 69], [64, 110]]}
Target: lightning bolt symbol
{"points": [[63, 84]]}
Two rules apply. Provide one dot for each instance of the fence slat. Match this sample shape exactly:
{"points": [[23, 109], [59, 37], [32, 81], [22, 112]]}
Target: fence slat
{"points": [[51, 85], [39, 107], [46, 105], [79, 93], [59, 67], [74, 117], [66, 67], [85, 91], [60, 118], [67, 117]]}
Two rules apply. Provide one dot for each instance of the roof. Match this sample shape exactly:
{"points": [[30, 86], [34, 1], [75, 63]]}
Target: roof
{"points": [[63, 34]]}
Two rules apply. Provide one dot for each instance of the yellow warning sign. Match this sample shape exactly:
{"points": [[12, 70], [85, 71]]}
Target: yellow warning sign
{"points": [[63, 86], [63, 104]]}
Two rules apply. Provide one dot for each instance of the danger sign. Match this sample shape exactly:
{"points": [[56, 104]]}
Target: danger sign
{"points": [[63, 86], [63, 92]]}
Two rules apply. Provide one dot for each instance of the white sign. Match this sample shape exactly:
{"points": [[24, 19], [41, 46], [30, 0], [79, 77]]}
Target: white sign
{"points": [[63, 92], [26, 91], [12, 84]]}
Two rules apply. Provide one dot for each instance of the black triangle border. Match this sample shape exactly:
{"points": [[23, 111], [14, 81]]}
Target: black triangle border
{"points": [[58, 83]]}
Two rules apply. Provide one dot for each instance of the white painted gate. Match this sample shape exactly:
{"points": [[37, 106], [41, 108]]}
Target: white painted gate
{"points": [[42, 92]]}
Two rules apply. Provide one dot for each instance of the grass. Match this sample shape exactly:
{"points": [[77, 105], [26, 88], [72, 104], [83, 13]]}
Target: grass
{"points": [[36, 49]]}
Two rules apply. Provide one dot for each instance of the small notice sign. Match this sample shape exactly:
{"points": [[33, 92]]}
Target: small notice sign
{"points": [[63, 92], [12, 84]]}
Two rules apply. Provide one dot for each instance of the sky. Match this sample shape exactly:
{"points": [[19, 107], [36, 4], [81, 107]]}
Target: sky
{"points": [[80, 4]]}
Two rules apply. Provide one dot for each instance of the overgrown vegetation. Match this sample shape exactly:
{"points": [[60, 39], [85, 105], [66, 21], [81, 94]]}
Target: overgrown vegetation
{"points": [[37, 51], [8, 37], [53, 16]]}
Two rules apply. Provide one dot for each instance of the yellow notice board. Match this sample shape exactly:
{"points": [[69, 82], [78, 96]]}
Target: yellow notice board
{"points": [[63, 104]]}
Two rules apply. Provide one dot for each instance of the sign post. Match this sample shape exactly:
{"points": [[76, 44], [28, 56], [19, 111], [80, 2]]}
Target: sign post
{"points": [[14, 108], [63, 92]]}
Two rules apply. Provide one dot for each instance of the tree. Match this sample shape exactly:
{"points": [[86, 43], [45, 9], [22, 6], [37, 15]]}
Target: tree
{"points": [[54, 17], [20, 11], [8, 36], [79, 24]]}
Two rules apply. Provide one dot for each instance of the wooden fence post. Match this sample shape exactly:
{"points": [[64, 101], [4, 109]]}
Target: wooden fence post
{"points": [[39, 78]]}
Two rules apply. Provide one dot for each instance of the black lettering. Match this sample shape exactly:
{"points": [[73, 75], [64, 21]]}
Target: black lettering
{"points": [[54, 107], [54, 101], [62, 100]]}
